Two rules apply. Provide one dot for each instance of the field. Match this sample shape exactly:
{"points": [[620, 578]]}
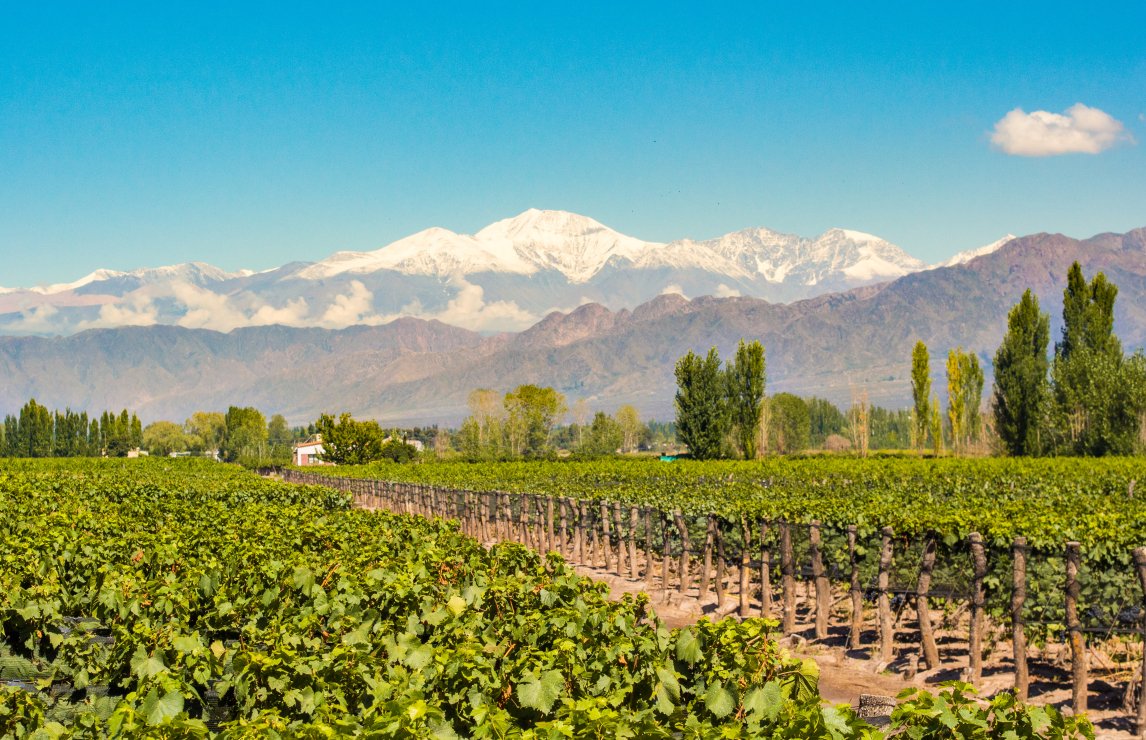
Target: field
{"points": [[1017, 557], [179, 599], [187, 598]]}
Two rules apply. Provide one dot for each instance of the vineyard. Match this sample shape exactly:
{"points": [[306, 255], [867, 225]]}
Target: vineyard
{"points": [[190, 599], [1026, 552]]}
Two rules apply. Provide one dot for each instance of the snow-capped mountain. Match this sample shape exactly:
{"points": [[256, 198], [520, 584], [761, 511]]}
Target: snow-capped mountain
{"points": [[964, 257], [505, 277]]}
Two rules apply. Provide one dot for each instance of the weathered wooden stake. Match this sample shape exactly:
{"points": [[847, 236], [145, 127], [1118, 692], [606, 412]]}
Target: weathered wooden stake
{"points": [[823, 594], [745, 563], [706, 566], [765, 572], [720, 566], [619, 536], [886, 626], [648, 549], [634, 525], [923, 604], [664, 558], [551, 541], [975, 641], [1140, 562], [1018, 630], [787, 579], [682, 528], [1078, 666], [606, 535], [855, 634]]}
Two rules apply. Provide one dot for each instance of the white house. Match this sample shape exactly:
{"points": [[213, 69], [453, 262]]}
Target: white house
{"points": [[306, 453]]}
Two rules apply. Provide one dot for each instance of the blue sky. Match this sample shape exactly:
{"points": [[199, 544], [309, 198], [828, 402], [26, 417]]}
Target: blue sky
{"points": [[146, 134]]}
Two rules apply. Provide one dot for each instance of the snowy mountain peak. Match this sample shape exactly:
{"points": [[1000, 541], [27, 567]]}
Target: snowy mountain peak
{"points": [[964, 257], [574, 245]]}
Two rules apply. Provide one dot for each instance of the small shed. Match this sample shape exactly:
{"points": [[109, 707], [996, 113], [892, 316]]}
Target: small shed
{"points": [[308, 451]]}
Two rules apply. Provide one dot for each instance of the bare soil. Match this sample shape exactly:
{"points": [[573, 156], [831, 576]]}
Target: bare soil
{"points": [[846, 674]]}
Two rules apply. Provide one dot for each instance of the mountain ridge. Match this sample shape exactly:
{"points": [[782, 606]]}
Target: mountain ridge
{"points": [[416, 371], [507, 276]]}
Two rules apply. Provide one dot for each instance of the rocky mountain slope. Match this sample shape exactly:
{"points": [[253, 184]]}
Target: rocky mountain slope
{"points": [[505, 277], [413, 370]]}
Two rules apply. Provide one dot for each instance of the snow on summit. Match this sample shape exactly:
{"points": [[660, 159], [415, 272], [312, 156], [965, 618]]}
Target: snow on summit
{"points": [[505, 277]]}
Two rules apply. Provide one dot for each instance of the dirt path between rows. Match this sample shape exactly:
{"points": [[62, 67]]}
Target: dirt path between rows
{"points": [[846, 674]]}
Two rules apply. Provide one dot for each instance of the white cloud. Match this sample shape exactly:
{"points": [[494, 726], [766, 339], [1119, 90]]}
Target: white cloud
{"points": [[673, 288], [469, 310], [723, 291], [1078, 130]]}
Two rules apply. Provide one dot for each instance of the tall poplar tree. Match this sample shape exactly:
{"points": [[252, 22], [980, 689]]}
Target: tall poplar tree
{"points": [[701, 405], [1087, 370], [1021, 390], [921, 393], [746, 379]]}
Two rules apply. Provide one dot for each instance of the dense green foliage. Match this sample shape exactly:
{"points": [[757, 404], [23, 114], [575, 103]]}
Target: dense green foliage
{"points": [[1098, 393], [150, 598], [789, 424], [746, 379], [39, 432], [348, 441], [921, 394], [702, 416], [1021, 390]]}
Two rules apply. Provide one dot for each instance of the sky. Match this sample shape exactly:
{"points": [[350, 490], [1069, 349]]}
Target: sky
{"points": [[145, 134]]}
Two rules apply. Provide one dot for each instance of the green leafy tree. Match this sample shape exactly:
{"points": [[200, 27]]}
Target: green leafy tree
{"points": [[348, 441], [964, 396], [161, 438], [482, 434], [631, 427], [532, 413], [206, 431], [746, 378], [1087, 372], [603, 437], [1021, 391], [246, 436], [790, 427], [921, 393], [702, 418], [826, 419]]}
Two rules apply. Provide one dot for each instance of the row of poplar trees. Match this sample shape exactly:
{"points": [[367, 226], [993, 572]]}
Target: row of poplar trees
{"points": [[39, 432], [1088, 398]]}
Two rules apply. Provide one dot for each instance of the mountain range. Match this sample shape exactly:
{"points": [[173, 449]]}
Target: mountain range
{"points": [[417, 370], [506, 277]]}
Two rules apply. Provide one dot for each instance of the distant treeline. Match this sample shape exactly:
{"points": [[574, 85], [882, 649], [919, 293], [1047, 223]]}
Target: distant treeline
{"points": [[40, 432]]}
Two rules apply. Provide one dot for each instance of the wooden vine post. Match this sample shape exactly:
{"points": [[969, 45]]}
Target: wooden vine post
{"points": [[648, 549], [856, 632], [923, 605], [619, 537], [563, 542], [682, 529], [745, 563], [720, 566], [634, 525], [551, 534], [787, 578], [823, 593], [765, 572], [1140, 564], [1018, 631], [706, 562], [886, 626], [664, 557], [606, 535], [1078, 667], [579, 544], [975, 641]]}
